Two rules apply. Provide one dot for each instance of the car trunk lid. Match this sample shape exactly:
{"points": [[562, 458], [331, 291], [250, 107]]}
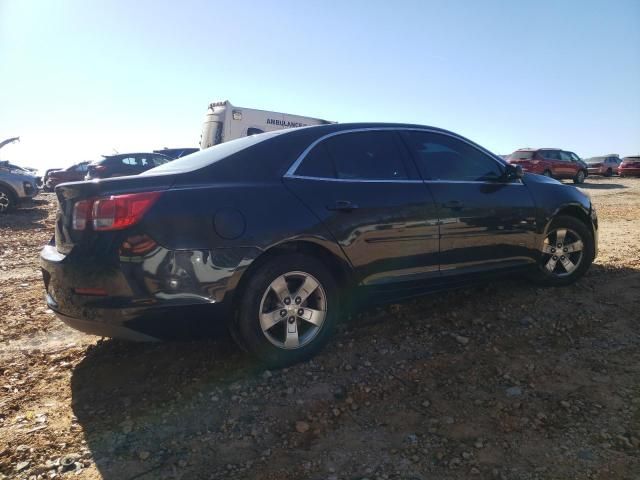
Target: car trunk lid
{"points": [[68, 194]]}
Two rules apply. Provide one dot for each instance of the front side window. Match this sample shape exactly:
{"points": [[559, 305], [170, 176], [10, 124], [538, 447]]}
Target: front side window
{"points": [[565, 157], [369, 155], [441, 157], [158, 160]]}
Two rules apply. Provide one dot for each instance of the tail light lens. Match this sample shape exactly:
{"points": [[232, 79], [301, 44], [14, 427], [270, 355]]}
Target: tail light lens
{"points": [[121, 211], [112, 213], [81, 214]]}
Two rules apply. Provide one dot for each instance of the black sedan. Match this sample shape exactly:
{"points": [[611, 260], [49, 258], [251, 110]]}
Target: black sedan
{"points": [[275, 235], [124, 164]]}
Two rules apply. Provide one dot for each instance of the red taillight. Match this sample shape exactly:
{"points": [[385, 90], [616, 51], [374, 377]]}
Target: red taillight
{"points": [[121, 211], [112, 213], [81, 214]]}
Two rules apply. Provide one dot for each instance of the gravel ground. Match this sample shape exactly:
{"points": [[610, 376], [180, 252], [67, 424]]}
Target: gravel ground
{"points": [[502, 381]]}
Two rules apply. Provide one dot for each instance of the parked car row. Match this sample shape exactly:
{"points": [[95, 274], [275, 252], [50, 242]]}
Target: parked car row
{"points": [[113, 166], [551, 162], [563, 164]]}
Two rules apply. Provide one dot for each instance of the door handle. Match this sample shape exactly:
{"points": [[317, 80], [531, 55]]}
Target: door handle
{"points": [[342, 206], [454, 205]]}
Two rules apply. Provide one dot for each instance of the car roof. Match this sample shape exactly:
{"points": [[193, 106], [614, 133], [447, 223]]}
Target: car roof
{"points": [[118, 155]]}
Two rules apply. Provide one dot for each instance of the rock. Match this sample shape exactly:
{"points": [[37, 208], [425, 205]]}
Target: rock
{"points": [[126, 426], [267, 374], [586, 455], [565, 404], [21, 466], [479, 444], [526, 321], [461, 340], [426, 404], [513, 391], [143, 455], [182, 463], [302, 427]]}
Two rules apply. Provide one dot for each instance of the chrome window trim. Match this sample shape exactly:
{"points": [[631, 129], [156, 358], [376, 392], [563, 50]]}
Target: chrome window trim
{"points": [[290, 173], [352, 180]]}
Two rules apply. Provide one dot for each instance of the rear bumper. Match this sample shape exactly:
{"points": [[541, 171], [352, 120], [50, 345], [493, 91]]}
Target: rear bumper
{"points": [[140, 300], [103, 329]]}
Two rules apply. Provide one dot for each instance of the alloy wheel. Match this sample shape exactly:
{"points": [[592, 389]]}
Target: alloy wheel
{"points": [[563, 251], [5, 202], [293, 310], [580, 176]]}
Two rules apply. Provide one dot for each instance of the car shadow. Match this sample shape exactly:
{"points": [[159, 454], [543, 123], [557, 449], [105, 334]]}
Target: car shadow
{"points": [[146, 408], [601, 186]]}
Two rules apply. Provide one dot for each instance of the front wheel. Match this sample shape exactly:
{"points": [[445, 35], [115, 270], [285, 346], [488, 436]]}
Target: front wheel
{"points": [[566, 252], [579, 178], [288, 310]]}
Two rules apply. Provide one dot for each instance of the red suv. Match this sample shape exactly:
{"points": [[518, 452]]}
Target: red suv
{"points": [[551, 162], [629, 166]]}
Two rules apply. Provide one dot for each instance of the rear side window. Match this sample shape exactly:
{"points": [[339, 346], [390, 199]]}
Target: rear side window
{"points": [[550, 154], [441, 157], [317, 163], [370, 155], [521, 155], [129, 161], [373, 155]]}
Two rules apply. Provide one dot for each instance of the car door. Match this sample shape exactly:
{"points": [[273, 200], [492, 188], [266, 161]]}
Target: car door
{"points": [[486, 220], [367, 192], [570, 165]]}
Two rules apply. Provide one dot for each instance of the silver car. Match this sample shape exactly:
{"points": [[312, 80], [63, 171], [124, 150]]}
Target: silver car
{"points": [[17, 187]]}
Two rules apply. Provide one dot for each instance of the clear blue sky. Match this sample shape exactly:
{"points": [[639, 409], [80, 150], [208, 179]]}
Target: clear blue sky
{"points": [[81, 78]]}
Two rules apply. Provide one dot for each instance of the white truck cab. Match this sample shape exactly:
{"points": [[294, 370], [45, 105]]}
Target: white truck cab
{"points": [[224, 122]]}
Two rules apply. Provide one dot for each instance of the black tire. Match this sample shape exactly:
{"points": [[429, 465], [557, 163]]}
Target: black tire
{"points": [[7, 200], [580, 176], [547, 173], [543, 277], [247, 330], [608, 173]]}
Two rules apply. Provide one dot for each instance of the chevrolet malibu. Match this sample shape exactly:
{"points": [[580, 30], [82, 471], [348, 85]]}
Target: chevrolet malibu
{"points": [[275, 235]]}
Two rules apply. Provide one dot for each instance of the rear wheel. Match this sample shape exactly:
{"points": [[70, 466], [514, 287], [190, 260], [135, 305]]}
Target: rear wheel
{"points": [[289, 309], [566, 252], [7, 202], [579, 178]]}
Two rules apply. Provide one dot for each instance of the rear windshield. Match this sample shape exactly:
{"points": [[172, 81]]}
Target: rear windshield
{"points": [[593, 160], [210, 155], [521, 155]]}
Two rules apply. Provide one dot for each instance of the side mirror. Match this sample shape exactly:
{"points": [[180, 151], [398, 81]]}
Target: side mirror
{"points": [[514, 171]]}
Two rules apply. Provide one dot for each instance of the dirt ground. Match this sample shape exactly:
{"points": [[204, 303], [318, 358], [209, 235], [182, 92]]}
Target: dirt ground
{"points": [[502, 381]]}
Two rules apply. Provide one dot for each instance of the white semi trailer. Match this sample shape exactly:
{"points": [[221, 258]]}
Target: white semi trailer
{"points": [[224, 122]]}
